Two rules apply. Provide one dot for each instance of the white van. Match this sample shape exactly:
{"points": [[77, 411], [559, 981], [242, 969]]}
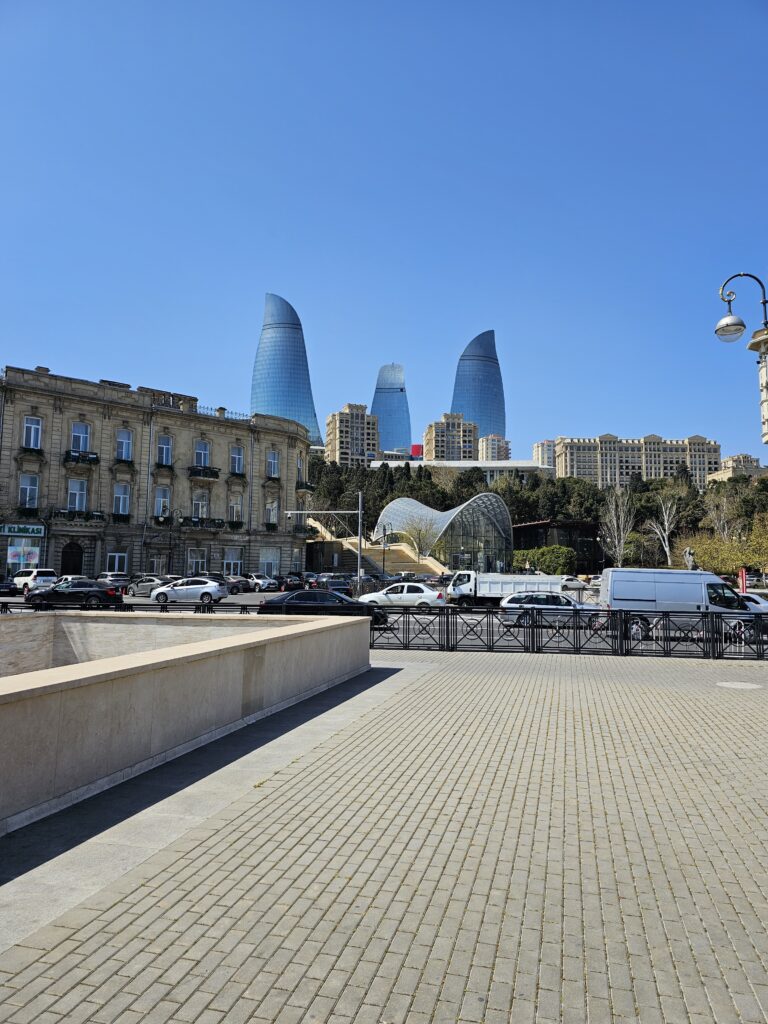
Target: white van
{"points": [[649, 591]]}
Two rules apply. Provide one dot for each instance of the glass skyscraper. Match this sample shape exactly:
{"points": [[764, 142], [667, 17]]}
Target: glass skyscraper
{"points": [[390, 404], [478, 393], [281, 385]]}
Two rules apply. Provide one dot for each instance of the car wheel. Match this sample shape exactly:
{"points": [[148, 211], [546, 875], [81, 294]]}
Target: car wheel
{"points": [[235, 590], [465, 602], [597, 623], [524, 619], [374, 603], [162, 599], [131, 591], [206, 598], [423, 604], [93, 602]]}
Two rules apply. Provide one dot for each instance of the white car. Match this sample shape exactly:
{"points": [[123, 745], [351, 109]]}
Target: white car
{"points": [[191, 588], [31, 579], [406, 594], [756, 603], [518, 606], [260, 581]]}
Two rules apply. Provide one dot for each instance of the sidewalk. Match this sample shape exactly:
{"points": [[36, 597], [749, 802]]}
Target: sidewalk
{"points": [[477, 837]]}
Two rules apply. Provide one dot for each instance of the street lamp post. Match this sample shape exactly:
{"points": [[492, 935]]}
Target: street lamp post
{"points": [[731, 328], [173, 518], [387, 528]]}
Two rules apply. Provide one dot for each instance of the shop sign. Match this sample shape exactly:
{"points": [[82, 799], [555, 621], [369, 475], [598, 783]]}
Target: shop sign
{"points": [[21, 530]]}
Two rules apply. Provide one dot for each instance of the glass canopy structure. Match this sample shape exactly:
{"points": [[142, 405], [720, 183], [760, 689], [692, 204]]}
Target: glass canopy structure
{"points": [[478, 391], [390, 404], [476, 535], [281, 385]]}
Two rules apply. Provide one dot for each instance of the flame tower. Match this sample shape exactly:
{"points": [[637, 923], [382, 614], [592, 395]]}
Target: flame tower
{"points": [[478, 392], [281, 384], [390, 404]]}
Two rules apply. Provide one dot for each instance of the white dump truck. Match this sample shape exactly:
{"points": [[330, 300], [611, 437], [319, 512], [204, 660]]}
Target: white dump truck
{"points": [[468, 589]]}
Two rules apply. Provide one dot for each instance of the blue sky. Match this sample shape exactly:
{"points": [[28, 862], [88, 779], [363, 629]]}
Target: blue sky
{"points": [[579, 177]]}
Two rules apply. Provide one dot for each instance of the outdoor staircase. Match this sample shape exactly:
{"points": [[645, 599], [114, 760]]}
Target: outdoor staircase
{"points": [[398, 558]]}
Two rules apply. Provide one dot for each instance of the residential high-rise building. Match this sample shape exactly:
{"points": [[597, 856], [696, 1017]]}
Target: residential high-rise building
{"points": [[281, 384], [351, 436], [390, 404], [478, 392], [609, 460], [450, 438], [544, 453], [493, 448]]}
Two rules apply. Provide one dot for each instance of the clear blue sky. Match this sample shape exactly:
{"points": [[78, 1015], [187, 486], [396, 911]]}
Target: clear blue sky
{"points": [[579, 177]]}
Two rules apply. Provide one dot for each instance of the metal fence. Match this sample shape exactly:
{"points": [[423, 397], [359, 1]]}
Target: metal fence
{"points": [[531, 631], [535, 631]]}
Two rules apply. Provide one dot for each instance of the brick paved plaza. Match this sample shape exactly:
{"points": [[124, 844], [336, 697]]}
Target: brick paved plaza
{"points": [[457, 837]]}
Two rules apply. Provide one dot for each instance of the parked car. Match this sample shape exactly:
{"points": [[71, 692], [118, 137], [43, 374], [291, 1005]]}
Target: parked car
{"points": [[81, 593], [261, 582], [115, 579], [144, 585], [30, 579], [286, 583], [439, 579], [8, 588], [317, 602], [191, 588], [69, 578], [239, 584], [404, 594], [338, 587], [518, 607], [756, 603]]}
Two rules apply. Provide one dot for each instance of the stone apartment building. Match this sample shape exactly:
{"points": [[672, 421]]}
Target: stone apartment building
{"points": [[450, 438], [352, 436], [493, 448], [739, 465], [608, 460], [98, 476]]}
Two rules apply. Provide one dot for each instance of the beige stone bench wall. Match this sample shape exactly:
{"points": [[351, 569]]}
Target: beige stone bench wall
{"points": [[69, 732]]}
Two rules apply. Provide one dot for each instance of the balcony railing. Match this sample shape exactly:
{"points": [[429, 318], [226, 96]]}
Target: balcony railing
{"points": [[81, 515], [121, 517], [28, 511], [238, 474], [235, 524], [270, 527], [204, 472], [202, 523], [81, 458], [305, 530], [304, 485], [123, 462], [29, 450], [164, 465]]}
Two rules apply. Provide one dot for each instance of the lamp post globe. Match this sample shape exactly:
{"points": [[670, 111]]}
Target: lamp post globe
{"points": [[730, 328]]}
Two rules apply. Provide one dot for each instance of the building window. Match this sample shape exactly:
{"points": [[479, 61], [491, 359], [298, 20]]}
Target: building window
{"points": [[162, 501], [273, 464], [235, 508], [81, 437], [296, 560], [269, 561], [157, 565], [124, 449], [28, 490], [272, 511], [233, 561], [117, 561], [300, 469], [197, 561], [164, 450], [236, 459], [121, 499], [33, 431], [202, 453], [77, 495], [200, 505]]}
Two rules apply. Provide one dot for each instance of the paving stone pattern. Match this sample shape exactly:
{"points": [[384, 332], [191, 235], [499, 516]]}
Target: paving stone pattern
{"points": [[510, 838]]}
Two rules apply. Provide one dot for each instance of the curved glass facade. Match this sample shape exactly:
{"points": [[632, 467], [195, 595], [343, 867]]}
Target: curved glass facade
{"points": [[390, 404], [281, 385], [478, 392], [476, 535]]}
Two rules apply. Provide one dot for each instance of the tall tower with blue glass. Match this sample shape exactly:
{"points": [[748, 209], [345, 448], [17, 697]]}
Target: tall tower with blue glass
{"points": [[390, 404], [281, 385], [478, 393]]}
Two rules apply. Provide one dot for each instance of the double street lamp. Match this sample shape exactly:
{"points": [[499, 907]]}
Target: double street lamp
{"points": [[731, 328]]}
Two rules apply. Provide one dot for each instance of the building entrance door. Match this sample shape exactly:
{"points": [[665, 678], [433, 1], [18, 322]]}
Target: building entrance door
{"points": [[72, 559]]}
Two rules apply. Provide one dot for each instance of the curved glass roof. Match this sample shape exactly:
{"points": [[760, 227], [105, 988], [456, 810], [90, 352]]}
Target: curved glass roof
{"points": [[398, 515]]}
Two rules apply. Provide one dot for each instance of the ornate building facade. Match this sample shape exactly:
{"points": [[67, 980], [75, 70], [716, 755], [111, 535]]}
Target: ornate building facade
{"points": [[98, 476]]}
